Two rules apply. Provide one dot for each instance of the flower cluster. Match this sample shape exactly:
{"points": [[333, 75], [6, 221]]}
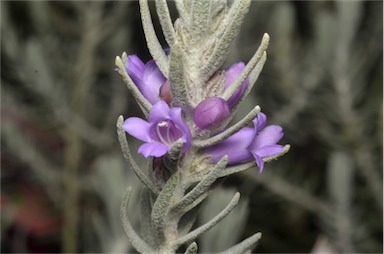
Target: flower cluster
{"points": [[189, 101], [168, 123]]}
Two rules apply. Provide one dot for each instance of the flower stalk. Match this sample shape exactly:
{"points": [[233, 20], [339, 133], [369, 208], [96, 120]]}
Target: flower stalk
{"points": [[189, 100]]}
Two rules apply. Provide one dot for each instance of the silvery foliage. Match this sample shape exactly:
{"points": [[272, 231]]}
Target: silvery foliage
{"points": [[199, 41]]}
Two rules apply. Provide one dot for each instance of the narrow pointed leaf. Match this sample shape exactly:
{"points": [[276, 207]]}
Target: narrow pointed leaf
{"points": [[201, 10], [237, 169], [163, 202], [192, 248], [201, 187], [147, 231], [187, 221], [183, 10], [128, 157], [231, 27], [165, 21], [200, 230], [248, 68], [133, 237], [141, 100], [173, 155], [177, 77], [195, 203], [153, 43], [246, 245]]}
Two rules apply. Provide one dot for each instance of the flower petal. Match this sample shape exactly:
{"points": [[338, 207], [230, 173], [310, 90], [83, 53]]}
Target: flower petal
{"points": [[138, 128], [231, 74], [153, 79], [268, 151], [270, 135], [135, 68], [235, 147], [175, 115], [259, 162], [153, 149], [159, 112], [260, 121], [152, 73]]}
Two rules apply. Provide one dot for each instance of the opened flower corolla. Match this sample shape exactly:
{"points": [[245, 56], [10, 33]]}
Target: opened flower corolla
{"points": [[147, 77], [165, 126], [249, 144]]}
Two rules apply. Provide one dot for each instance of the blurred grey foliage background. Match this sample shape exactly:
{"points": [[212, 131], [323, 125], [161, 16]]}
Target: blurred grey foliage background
{"points": [[63, 175]]}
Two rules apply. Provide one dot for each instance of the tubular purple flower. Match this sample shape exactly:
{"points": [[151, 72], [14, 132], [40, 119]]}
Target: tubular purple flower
{"points": [[147, 77], [231, 74], [210, 113], [165, 126], [249, 144]]}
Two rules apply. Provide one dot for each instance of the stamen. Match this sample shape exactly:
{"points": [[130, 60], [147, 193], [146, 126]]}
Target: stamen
{"points": [[168, 135], [159, 126]]}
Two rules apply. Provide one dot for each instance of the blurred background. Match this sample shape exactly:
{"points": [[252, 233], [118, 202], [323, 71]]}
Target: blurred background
{"points": [[62, 172]]}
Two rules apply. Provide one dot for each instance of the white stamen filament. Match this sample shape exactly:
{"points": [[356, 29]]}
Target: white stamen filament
{"points": [[168, 136], [160, 125]]}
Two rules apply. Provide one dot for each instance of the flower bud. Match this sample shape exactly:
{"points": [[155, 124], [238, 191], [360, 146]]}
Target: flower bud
{"points": [[210, 113], [165, 92]]}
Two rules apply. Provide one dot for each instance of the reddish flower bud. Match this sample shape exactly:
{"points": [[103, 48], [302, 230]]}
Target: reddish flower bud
{"points": [[165, 92]]}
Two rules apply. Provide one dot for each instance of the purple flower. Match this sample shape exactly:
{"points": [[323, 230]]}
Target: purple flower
{"points": [[231, 74], [165, 126], [250, 144], [147, 77], [210, 113]]}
